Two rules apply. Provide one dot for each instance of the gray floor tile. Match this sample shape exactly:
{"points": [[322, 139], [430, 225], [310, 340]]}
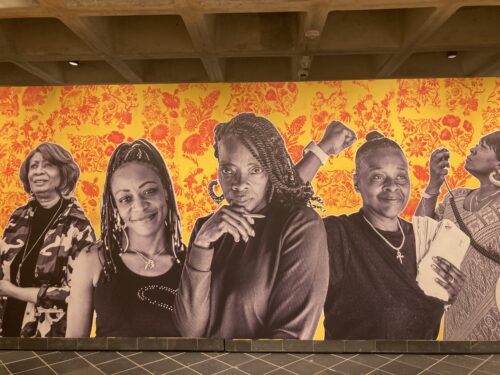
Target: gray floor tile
{"points": [[73, 366], [257, 367], [115, 366], [463, 361], [494, 357], [282, 371], [145, 357], [135, 371], [281, 359], [235, 359], [56, 357], [304, 367], [352, 368], [398, 368], [370, 360], [188, 359], [491, 367], [448, 369], [419, 361], [183, 371], [210, 367], [231, 371], [101, 357], [3, 370], [23, 365], [38, 371], [12, 356], [325, 360], [329, 371], [160, 367]]}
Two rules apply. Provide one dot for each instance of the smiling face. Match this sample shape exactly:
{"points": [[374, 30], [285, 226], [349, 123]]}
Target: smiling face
{"points": [[43, 176], [140, 198], [382, 179], [482, 160], [242, 178]]}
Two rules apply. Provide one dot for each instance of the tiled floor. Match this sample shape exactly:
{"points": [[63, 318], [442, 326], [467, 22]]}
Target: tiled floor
{"points": [[128, 363]]}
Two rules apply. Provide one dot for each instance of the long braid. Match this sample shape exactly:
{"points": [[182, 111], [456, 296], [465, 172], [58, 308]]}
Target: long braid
{"points": [[140, 151], [266, 145]]}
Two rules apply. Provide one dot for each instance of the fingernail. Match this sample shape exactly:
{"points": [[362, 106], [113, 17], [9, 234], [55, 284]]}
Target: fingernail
{"points": [[253, 233], [434, 258]]}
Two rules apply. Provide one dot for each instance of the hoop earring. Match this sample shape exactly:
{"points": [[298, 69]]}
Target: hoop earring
{"points": [[176, 259], [121, 229], [493, 180], [126, 237], [216, 198], [271, 193]]}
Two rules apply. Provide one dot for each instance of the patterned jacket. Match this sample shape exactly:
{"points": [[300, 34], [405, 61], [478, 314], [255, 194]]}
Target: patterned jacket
{"points": [[68, 235]]}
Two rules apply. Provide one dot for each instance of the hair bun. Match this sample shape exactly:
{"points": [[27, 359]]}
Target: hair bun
{"points": [[374, 135]]}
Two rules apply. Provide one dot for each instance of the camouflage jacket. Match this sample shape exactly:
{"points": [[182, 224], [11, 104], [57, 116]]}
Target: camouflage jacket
{"points": [[68, 235]]}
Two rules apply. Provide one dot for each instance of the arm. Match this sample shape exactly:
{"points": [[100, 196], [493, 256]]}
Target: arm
{"points": [[192, 303], [82, 235], [337, 137], [7, 289], [438, 166], [301, 283], [81, 302]]}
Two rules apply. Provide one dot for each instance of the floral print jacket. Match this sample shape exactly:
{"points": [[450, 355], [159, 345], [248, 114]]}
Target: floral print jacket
{"points": [[68, 235]]}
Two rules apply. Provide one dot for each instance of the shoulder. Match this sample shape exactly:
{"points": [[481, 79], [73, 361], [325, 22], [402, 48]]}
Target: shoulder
{"points": [[89, 259], [336, 223], [22, 211], [75, 211], [457, 193]]}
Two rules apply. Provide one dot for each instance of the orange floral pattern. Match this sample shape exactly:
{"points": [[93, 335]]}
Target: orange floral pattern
{"points": [[90, 121]]}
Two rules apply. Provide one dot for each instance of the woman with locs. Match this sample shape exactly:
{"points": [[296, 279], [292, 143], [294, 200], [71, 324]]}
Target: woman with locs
{"points": [[257, 267], [373, 293], [130, 276], [41, 241], [475, 315]]}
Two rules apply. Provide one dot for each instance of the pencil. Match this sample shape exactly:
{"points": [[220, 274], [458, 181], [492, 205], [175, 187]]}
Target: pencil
{"points": [[254, 216]]}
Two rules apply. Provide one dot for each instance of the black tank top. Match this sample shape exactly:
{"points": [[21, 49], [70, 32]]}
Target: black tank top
{"points": [[131, 305]]}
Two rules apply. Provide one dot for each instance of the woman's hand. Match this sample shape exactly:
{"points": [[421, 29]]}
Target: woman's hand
{"points": [[438, 166], [227, 219], [337, 138], [452, 279]]}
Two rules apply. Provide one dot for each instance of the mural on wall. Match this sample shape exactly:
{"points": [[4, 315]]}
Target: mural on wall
{"points": [[229, 242]]}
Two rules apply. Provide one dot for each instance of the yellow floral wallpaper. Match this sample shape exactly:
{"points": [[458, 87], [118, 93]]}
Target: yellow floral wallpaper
{"points": [[90, 121]]}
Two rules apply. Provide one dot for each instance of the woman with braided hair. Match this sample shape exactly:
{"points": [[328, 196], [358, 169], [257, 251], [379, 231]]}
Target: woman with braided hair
{"points": [[131, 275], [257, 267]]}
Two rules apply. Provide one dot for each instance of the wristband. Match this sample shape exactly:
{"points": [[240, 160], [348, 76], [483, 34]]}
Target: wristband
{"points": [[426, 195], [316, 150]]}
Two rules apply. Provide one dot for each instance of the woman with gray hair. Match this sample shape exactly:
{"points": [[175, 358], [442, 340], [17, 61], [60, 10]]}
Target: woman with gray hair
{"points": [[40, 244]]}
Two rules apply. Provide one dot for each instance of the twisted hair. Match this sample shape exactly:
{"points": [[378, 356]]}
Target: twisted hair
{"points": [[266, 145], [139, 151], [375, 141]]}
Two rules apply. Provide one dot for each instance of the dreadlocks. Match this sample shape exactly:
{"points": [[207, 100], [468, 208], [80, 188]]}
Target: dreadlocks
{"points": [[266, 145], [140, 151]]}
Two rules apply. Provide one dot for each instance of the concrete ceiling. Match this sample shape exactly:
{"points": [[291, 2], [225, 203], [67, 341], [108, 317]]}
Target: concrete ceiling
{"points": [[158, 41]]}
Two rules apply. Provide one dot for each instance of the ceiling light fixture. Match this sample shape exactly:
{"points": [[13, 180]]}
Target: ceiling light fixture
{"points": [[452, 54], [312, 34], [73, 63]]}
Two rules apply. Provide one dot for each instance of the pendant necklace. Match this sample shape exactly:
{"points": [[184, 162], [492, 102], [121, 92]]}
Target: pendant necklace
{"points": [[399, 255], [44, 232], [149, 263]]}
